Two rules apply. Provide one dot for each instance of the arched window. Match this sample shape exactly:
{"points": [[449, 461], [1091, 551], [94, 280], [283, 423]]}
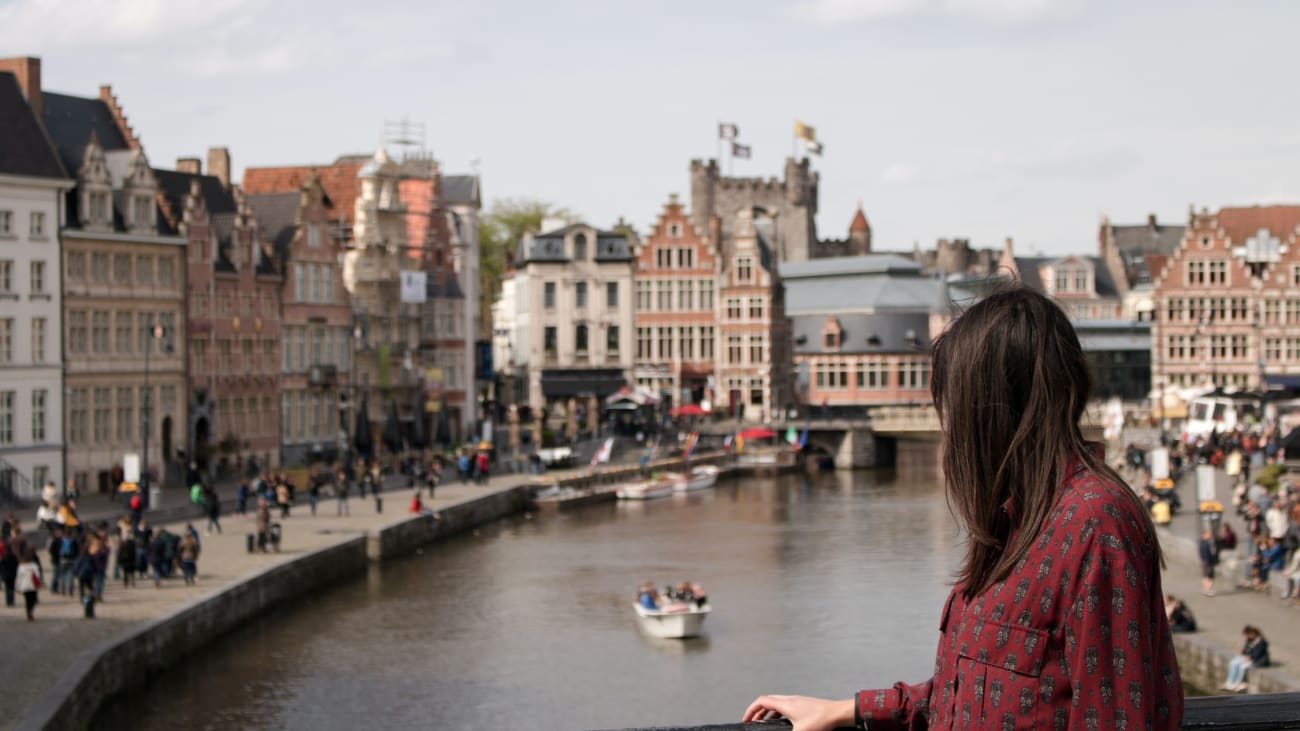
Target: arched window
{"points": [[580, 247]]}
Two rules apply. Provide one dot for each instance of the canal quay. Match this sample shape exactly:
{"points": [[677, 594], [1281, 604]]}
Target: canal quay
{"points": [[525, 621]]}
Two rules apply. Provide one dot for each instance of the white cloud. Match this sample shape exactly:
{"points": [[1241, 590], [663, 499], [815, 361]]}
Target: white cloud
{"points": [[828, 12], [81, 24]]}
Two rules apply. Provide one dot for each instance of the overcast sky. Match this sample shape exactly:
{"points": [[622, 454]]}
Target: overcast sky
{"points": [[945, 118]]}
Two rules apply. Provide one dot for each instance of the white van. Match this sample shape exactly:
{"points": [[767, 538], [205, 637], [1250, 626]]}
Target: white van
{"points": [[1207, 414]]}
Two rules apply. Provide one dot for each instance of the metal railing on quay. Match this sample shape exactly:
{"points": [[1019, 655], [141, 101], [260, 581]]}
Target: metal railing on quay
{"points": [[1264, 712]]}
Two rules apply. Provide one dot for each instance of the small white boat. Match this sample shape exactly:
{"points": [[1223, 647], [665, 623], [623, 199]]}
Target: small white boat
{"points": [[701, 478], [648, 489], [673, 621]]}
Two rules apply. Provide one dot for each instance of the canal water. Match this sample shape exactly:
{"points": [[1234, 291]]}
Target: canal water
{"points": [[819, 584]]}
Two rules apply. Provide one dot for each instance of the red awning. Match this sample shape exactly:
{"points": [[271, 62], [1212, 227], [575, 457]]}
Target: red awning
{"points": [[688, 410], [757, 432]]}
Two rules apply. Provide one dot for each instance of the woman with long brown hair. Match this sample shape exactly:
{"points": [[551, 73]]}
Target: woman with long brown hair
{"points": [[1056, 619]]}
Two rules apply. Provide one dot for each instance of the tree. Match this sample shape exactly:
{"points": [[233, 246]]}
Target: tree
{"points": [[499, 234]]}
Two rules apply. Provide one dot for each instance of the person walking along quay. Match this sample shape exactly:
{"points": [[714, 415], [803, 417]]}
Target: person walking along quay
{"points": [[1054, 535]]}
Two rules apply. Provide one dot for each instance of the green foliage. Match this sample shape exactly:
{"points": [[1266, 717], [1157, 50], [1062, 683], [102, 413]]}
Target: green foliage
{"points": [[1269, 476], [499, 233]]}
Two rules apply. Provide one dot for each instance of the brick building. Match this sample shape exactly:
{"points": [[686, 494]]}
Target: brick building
{"points": [[1227, 301], [676, 308], [862, 328], [754, 361], [315, 349]]}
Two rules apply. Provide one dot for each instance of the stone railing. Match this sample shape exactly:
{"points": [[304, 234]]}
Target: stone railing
{"points": [[1268, 712]]}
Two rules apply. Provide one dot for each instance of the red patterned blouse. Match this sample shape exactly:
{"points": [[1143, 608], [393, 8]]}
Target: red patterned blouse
{"points": [[1074, 638]]}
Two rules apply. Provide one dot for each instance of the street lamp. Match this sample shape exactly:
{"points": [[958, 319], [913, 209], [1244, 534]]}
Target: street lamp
{"points": [[156, 333]]}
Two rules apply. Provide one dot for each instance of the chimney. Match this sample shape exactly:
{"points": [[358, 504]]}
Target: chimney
{"points": [[219, 164], [1151, 221], [191, 165], [27, 69]]}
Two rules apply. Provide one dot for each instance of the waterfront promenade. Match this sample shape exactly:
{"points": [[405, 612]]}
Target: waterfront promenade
{"points": [[34, 655]]}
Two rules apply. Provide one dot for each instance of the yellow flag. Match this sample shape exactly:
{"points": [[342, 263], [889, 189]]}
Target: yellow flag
{"points": [[804, 131]]}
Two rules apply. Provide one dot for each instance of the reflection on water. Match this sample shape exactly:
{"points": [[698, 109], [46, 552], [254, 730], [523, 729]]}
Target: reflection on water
{"points": [[819, 584]]}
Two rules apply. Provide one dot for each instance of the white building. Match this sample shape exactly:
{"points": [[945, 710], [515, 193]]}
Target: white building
{"points": [[462, 196], [573, 317], [32, 190]]}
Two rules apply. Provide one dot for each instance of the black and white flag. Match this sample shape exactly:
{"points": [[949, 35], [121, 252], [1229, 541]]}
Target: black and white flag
{"points": [[740, 152]]}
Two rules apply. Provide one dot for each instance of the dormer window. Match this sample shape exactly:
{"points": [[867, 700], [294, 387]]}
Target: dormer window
{"points": [[832, 340], [1205, 242], [141, 211], [744, 269], [580, 247]]}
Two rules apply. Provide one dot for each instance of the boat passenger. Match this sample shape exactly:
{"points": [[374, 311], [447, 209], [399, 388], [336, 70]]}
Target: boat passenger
{"points": [[648, 598], [700, 597]]}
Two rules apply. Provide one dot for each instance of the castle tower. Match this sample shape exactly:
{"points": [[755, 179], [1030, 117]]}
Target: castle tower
{"points": [[791, 201], [859, 234]]}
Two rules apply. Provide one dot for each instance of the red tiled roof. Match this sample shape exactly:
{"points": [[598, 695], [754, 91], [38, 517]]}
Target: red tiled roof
{"points": [[859, 222], [1244, 222], [339, 180]]}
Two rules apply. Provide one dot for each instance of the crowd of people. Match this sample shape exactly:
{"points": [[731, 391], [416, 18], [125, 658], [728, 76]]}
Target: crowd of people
{"points": [[684, 594], [1265, 503]]}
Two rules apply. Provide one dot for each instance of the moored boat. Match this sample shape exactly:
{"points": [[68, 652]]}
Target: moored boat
{"points": [[701, 478], [661, 486], [673, 621]]}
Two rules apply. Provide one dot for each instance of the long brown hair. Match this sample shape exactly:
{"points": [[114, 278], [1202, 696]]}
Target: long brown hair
{"points": [[1010, 383]]}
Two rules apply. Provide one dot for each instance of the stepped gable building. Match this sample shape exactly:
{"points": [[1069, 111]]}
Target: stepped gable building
{"points": [[1082, 285], [676, 308], [862, 328], [124, 270], [754, 366], [1135, 254], [1227, 301], [232, 317], [573, 320], [315, 320], [790, 202], [857, 244], [33, 183]]}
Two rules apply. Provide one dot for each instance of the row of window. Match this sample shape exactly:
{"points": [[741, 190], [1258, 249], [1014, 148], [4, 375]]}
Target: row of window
{"points": [[9, 336], [313, 282], [230, 304], [1078, 281], [581, 341], [736, 390], [250, 358], [580, 300], [682, 342], [36, 279], [1232, 309], [674, 295], [9, 416], [35, 224], [105, 332], [308, 416], [872, 374], [306, 346], [91, 412], [1206, 271], [142, 270], [745, 308], [674, 257], [247, 417]]}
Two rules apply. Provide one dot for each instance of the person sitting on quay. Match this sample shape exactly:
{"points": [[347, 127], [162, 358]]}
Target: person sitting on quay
{"points": [[1179, 615], [1254, 654], [47, 516], [263, 524], [68, 516]]}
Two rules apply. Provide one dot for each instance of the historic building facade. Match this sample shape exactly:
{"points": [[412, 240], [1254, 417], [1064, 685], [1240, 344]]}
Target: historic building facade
{"points": [[1082, 285], [790, 203], [233, 316], [861, 330], [676, 308], [753, 360], [123, 299], [1227, 301], [33, 183], [573, 321]]}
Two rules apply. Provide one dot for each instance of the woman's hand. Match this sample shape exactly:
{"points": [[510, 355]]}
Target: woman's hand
{"points": [[806, 714]]}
